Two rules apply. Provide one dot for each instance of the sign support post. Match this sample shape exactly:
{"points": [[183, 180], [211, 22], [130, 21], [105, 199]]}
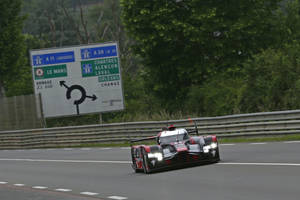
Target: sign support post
{"points": [[100, 118], [44, 123]]}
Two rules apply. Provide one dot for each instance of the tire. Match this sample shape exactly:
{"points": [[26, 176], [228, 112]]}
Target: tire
{"points": [[145, 162], [135, 168], [133, 165]]}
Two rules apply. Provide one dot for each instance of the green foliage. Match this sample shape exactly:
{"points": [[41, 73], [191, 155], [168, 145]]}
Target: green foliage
{"points": [[272, 80], [220, 96], [291, 22], [22, 84], [11, 40], [73, 120], [106, 18], [292, 137], [60, 23], [184, 43]]}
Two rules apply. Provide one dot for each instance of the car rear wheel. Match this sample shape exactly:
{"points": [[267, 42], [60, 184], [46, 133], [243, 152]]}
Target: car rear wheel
{"points": [[134, 168], [145, 162], [133, 165]]}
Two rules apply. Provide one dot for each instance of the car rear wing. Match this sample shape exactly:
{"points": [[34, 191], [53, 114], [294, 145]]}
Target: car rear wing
{"points": [[194, 130], [142, 139], [155, 137]]}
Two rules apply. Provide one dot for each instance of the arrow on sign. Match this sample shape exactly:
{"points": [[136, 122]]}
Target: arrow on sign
{"points": [[83, 94], [62, 83], [92, 97]]}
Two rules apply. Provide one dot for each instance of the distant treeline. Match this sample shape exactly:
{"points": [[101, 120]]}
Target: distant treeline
{"points": [[179, 58]]}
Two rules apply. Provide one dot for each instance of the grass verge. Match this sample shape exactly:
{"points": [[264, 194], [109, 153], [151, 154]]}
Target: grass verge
{"points": [[261, 139]]}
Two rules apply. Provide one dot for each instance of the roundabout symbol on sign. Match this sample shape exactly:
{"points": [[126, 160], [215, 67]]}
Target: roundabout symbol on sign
{"points": [[82, 91]]}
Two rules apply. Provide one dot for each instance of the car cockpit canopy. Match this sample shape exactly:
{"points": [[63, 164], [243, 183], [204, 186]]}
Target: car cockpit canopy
{"points": [[172, 135]]}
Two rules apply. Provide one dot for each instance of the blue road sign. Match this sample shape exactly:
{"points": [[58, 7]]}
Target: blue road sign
{"points": [[53, 58], [98, 52], [87, 69]]}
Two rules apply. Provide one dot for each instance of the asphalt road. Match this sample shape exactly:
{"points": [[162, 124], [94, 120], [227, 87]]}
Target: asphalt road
{"points": [[246, 172]]}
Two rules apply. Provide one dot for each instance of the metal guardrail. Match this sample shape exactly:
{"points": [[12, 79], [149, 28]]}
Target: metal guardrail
{"points": [[248, 125]]}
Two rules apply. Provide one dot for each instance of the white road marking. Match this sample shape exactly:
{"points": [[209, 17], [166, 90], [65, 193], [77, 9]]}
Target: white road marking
{"points": [[261, 164], [227, 144], [291, 142], [67, 161], [63, 190], [68, 149], [19, 185], [105, 148], [117, 197], [129, 162], [3, 182], [257, 143], [39, 187], [89, 193]]}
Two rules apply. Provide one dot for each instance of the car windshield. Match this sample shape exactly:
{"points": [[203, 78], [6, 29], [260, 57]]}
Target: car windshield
{"points": [[173, 138]]}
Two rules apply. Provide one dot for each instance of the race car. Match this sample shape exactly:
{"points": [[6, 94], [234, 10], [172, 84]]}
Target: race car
{"points": [[174, 147]]}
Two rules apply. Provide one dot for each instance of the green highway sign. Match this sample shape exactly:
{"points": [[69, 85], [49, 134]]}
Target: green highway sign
{"points": [[54, 71], [109, 78], [100, 67]]}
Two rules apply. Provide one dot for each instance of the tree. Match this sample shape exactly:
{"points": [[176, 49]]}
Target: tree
{"points": [[273, 80], [80, 25], [290, 25], [46, 20], [267, 81], [221, 95], [11, 41], [22, 82], [184, 43]]}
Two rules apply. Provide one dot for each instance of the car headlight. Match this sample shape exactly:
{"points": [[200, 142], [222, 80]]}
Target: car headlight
{"points": [[158, 156], [214, 145], [208, 147]]}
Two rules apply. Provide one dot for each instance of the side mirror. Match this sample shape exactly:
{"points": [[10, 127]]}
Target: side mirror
{"points": [[157, 140]]}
